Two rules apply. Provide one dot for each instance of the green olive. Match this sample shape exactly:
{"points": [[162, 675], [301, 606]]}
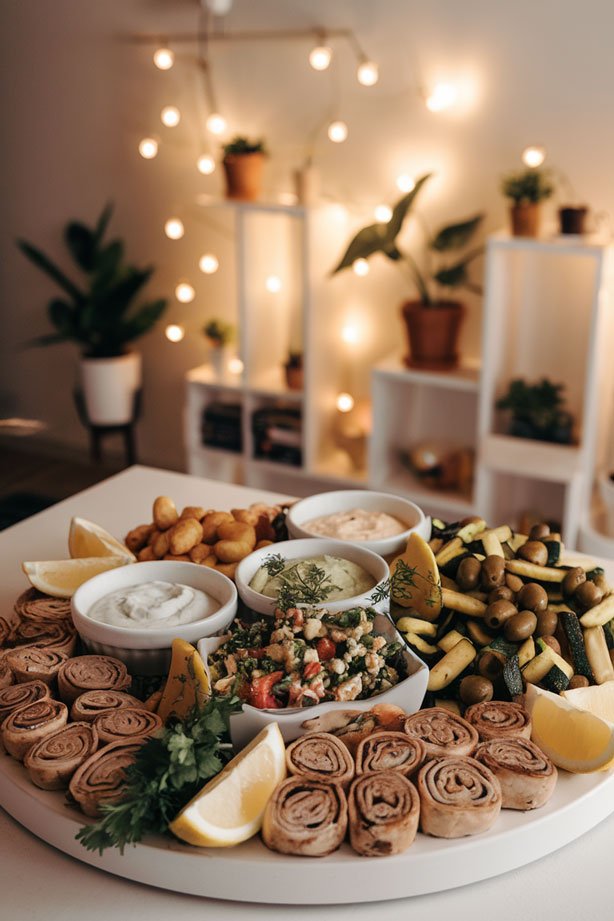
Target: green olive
{"points": [[588, 595], [532, 597], [498, 612], [534, 551], [476, 689], [539, 531], [547, 622], [520, 627], [553, 643], [493, 572], [574, 578], [578, 681], [501, 593], [514, 582], [468, 573], [490, 665]]}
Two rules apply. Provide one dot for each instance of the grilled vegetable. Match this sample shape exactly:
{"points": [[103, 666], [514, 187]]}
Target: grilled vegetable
{"points": [[600, 614], [513, 676], [456, 601], [598, 654], [538, 668], [555, 680], [450, 667], [573, 632], [449, 640]]}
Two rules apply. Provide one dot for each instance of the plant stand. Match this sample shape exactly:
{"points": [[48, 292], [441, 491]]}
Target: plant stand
{"points": [[98, 432]]}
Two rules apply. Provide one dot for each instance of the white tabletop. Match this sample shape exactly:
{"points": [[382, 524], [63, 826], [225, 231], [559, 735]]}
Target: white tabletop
{"points": [[37, 881]]}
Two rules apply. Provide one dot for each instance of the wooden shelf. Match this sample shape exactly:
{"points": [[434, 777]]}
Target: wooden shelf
{"points": [[539, 460]]}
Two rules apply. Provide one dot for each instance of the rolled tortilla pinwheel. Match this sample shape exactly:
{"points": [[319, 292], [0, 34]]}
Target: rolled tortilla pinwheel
{"points": [[390, 751], [496, 719], [305, 816], [352, 726], [127, 724], [52, 761], [7, 678], [384, 809], [527, 776], [88, 673], [458, 796], [91, 704], [18, 695], [100, 779], [29, 724], [34, 606], [443, 733], [31, 663], [320, 755], [7, 632], [60, 635]]}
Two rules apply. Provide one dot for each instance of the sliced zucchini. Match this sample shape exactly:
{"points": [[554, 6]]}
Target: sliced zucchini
{"points": [[546, 658], [436, 543], [534, 572], [608, 629], [555, 680], [600, 614], [598, 654], [573, 632], [470, 531], [526, 652], [416, 625], [492, 544], [500, 644], [450, 667], [512, 676], [453, 548], [449, 640], [456, 601], [477, 633], [516, 541], [554, 552], [420, 644]]}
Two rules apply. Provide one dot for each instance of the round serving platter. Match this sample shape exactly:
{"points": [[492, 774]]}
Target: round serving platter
{"points": [[252, 873]]}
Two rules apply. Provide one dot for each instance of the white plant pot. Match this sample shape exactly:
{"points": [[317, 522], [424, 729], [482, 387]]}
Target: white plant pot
{"points": [[109, 386], [606, 490], [219, 360]]}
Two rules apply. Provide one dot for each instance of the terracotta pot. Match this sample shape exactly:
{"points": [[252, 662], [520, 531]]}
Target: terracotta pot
{"points": [[573, 219], [244, 175], [433, 333], [525, 216], [294, 377]]}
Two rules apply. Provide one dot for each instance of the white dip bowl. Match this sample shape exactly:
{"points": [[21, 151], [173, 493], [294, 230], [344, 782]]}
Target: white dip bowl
{"points": [[147, 651], [344, 500]]}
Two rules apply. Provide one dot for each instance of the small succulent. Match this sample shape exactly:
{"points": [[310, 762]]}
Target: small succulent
{"points": [[530, 185], [218, 332], [241, 145]]}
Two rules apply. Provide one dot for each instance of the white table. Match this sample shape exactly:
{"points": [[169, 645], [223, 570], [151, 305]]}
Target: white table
{"points": [[39, 882]]}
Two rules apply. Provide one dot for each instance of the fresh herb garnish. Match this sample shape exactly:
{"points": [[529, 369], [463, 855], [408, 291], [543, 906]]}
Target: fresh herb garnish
{"points": [[168, 771], [303, 582], [381, 592], [404, 579]]}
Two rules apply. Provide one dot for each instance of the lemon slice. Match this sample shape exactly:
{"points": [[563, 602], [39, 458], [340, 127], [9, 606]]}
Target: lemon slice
{"points": [[598, 699], [230, 808], [61, 578], [576, 740], [86, 538]]}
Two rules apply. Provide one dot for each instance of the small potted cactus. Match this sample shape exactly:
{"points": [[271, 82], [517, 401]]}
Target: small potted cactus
{"points": [[243, 167]]}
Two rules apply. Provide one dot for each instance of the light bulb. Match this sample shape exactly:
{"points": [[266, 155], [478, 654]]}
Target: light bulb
{"points": [[174, 228], [337, 132], [170, 116], [533, 156], [345, 402], [368, 73], [184, 292], [235, 365], [349, 334], [383, 213], [164, 58], [405, 183], [148, 148], [320, 57], [273, 284], [443, 96], [216, 123], [219, 7], [208, 264], [174, 332], [361, 267], [205, 164]]}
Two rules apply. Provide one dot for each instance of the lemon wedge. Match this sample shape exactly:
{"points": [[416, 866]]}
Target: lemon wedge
{"points": [[86, 538], [230, 808], [575, 739], [598, 699], [61, 578]]}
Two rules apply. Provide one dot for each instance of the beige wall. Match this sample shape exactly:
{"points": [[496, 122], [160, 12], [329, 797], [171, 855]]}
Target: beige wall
{"points": [[77, 98]]}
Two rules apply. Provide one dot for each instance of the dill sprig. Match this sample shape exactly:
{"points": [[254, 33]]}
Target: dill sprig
{"points": [[302, 582]]}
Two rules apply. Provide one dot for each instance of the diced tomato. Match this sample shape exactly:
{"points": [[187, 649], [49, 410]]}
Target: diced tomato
{"points": [[260, 691], [256, 653], [311, 670], [326, 649]]}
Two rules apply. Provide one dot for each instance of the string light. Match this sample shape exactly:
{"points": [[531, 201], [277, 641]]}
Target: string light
{"points": [[443, 96], [148, 148], [320, 57], [273, 284], [184, 292], [170, 116], [163, 58], [174, 228], [345, 402], [174, 332], [208, 264], [360, 267], [216, 123], [533, 156], [235, 366], [337, 132], [368, 73], [383, 213], [205, 164], [349, 334], [405, 183]]}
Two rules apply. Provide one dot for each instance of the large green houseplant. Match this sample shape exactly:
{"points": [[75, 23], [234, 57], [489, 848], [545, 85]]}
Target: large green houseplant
{"points": [[97, 313], [433, 319]]}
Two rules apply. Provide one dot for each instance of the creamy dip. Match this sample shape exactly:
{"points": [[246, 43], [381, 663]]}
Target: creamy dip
{"points": [[153, 605], [349, 579], [356, 524]]}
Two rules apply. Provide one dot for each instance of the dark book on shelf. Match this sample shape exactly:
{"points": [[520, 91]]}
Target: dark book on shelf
{"points": [[221, 426], [278, 435]]}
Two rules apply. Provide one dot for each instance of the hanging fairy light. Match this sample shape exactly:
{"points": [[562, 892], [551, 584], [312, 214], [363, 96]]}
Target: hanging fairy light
{"points": [[185, 293], [383, 213], [163, 58], [273, 284], [320, 57], [337, 131], [360, 267], [367, 73], [174, 332], [443, 96], [405, 183], [209, 264], [350, 334], [235, 366], [174, 228], [345, 402], [148, 148], [216, 123], [205, 164], [170, 116], [533, 156]]}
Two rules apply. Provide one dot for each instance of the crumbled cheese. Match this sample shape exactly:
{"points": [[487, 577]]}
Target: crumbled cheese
{"points": [[311, 655], [338, 666], [350, 689], [312, 628]]}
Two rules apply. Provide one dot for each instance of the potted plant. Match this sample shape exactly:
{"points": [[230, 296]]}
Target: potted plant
{"points": [[433, 321], [243, 167], [526, 190], [219, 335], [537, 411], [96, 312], [294, 370]]}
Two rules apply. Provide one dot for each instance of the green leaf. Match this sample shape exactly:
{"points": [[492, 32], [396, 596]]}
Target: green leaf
{"points": [[142, 321], [62, 316], [402, 208], [103, 221], [367, 241], [114, 301], [107, 263], [454, 236], [453, 276], [81, 244], [46, 265]]}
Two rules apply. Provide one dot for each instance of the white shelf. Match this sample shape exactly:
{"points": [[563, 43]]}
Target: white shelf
{"points": [[465, 377], [271, 383], [403, 483], [206, 376], [264, 207], [561, 244], [538, 460]]}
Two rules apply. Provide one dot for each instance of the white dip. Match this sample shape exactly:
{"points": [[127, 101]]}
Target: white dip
{"points": [[153, 605], [355, 524]]}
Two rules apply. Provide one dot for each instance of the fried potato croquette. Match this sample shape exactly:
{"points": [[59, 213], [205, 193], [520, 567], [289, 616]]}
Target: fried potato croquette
{"points": [[161, 545], [237, 540], [164, 513], [211, 523], [210, 561], [138, 537], [193, 511], [177, 557], [184, 535], [199, 553], [146, 555], [227, 569]]}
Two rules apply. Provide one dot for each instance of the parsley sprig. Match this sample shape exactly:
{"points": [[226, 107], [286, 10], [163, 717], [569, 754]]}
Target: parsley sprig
{"points": [[168, 771]]}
